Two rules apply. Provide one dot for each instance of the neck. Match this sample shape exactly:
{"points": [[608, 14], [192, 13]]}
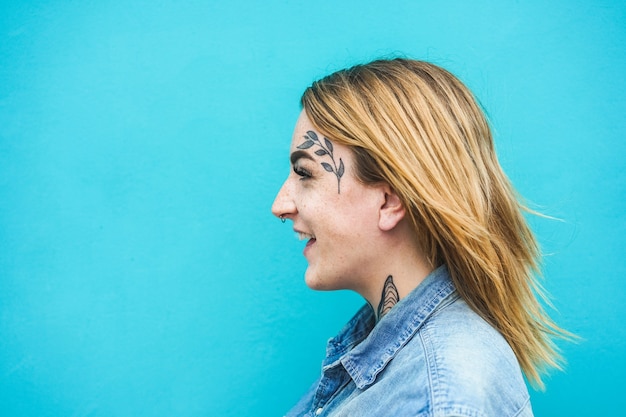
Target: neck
{"points": [[398, 272]]}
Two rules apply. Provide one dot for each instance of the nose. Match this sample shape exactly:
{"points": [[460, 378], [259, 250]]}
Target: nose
{"points": [[284, 206]]}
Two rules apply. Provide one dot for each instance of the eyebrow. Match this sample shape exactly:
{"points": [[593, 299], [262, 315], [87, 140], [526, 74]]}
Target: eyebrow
{"points": [[298, 155]]}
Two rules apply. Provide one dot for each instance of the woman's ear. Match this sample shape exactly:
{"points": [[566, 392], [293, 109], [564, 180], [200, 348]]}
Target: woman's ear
{"points": [[392, 211]]}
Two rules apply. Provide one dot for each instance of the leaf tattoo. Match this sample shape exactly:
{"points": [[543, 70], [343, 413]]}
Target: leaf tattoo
{"points": [[389, 297], [326, 148]]}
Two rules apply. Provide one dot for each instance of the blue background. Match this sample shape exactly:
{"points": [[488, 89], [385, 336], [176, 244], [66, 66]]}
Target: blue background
{"points": [[142, 144]]}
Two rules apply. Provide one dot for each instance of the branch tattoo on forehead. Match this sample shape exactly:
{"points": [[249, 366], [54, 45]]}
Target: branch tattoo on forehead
{"points": [[326, 148]]}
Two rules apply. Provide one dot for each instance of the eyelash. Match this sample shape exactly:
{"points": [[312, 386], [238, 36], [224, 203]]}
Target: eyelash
{"points": [[302, 173]]}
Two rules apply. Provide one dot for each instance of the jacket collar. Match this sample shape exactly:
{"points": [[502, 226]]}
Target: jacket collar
{"points": [[365, 347]]}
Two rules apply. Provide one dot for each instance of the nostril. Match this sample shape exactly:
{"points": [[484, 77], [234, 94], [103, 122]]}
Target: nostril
{"points": [[283, 207]]}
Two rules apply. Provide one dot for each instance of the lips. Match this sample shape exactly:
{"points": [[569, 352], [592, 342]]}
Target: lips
{"points": [[304, 236]]}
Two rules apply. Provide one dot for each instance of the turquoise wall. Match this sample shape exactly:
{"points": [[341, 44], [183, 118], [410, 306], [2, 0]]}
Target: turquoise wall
{"points": [[141, 146]]}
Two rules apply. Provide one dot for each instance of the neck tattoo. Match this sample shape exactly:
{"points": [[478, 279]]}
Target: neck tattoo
{"points": [[388, 299]]}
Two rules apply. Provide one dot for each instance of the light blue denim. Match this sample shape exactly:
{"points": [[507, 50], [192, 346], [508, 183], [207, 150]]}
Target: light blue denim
{"points": [[431, 355]]}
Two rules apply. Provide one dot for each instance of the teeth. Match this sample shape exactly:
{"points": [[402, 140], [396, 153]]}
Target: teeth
{"points": [[304, 236]]}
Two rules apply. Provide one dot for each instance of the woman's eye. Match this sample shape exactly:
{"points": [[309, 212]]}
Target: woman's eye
{"points": [[301, 172]]}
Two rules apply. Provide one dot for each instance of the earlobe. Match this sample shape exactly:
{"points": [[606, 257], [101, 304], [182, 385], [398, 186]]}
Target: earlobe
{"points": [[392, 211]]}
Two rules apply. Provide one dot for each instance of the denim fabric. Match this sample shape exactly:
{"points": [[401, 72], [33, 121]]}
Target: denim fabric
{"points": [[431, 355]]}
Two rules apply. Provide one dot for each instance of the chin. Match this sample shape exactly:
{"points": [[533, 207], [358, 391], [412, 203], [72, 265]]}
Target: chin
{"points": [[315, 282]]}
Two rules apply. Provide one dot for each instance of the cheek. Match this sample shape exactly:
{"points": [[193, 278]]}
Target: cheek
{"points": [[318, 205], [352, 226]]}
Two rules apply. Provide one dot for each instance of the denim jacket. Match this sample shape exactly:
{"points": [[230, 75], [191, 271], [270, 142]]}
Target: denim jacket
{"points": [[431, 355]]}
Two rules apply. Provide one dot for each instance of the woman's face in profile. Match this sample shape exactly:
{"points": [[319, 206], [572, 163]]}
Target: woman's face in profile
{"points": [[335, 213]]}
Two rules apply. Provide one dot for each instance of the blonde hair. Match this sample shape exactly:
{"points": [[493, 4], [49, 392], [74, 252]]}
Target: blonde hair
{"points": [[416, 127]]}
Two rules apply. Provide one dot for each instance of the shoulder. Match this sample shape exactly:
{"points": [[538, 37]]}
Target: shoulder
{"points": [[468, 367]]}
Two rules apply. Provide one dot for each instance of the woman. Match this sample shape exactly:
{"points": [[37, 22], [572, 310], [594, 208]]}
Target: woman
{"points": [[397, 188]]}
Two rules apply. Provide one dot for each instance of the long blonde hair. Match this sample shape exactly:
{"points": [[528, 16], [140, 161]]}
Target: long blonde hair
{"points": [[416, 127]]}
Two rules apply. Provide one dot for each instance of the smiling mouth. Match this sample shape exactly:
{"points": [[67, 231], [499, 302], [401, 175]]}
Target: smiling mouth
{"points": [[305, 236]]}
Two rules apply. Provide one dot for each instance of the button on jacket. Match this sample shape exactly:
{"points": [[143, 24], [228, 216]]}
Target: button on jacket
{"points": [[431, 355]]}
